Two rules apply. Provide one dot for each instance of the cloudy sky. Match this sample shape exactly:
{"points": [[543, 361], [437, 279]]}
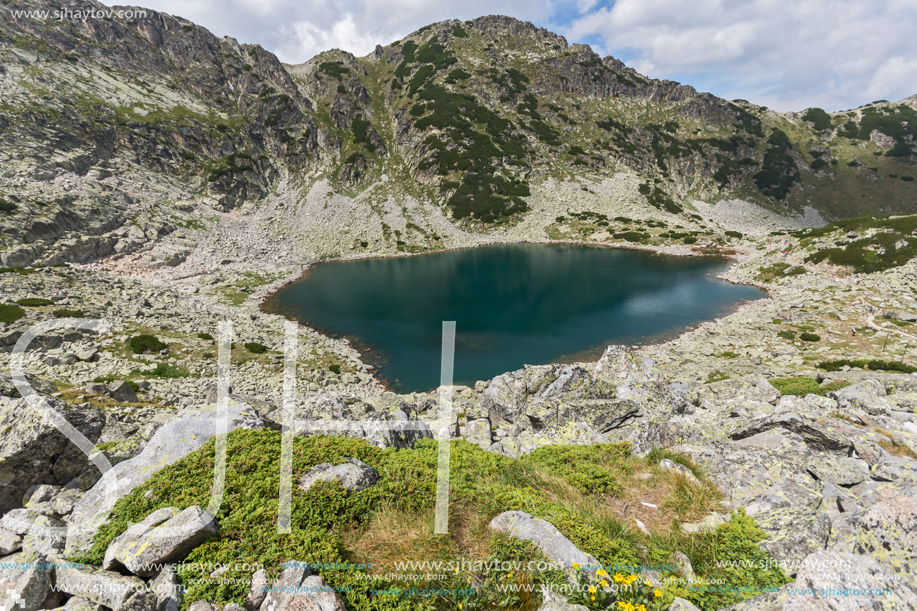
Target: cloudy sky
{"points": [[786, 54]]}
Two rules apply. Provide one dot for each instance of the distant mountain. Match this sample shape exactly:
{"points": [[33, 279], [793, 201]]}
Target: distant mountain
{"points": [[111, 128]]}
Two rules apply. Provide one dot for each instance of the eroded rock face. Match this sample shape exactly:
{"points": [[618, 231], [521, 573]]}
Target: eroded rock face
{"points": [[33, 451]]}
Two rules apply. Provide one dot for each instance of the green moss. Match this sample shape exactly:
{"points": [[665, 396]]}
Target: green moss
{"points": [[34, 302]]}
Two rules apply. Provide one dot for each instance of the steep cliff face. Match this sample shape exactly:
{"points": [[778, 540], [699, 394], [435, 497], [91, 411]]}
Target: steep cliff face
{"points": [[114, 129]]}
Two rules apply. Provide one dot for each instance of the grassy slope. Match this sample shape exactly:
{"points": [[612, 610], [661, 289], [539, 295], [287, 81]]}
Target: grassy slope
{"points": [[583, 490]]}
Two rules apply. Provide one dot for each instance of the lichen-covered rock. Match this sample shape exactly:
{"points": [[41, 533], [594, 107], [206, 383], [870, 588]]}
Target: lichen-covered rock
{"points": [[106, 588], [545, 536], [151, 545], [298, 590], [886, 532], [24, 587], [353, 475], [834, 581]]}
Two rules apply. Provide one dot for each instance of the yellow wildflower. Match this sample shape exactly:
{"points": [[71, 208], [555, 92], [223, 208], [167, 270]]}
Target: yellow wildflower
{"points": [[657, 593], [576, 566], [603, 583]]}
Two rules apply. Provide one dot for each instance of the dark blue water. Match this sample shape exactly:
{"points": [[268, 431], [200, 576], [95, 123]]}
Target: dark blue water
{"points": [[513, 305]]}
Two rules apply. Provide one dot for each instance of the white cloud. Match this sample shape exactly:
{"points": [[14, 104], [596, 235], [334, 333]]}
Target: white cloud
{"points": [[787, 54]]}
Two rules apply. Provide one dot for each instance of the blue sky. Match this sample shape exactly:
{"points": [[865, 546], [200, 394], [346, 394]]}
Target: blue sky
{"points": [[788, 55]]}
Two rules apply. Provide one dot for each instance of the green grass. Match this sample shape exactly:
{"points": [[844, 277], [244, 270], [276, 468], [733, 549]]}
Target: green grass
{"points": [[803, 385], [10, 313], [34, 302], [393, 519], [145, 342], [205, 336]]}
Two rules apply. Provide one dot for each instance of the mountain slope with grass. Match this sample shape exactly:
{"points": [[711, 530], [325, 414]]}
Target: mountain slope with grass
{"points": [[124, 132]]}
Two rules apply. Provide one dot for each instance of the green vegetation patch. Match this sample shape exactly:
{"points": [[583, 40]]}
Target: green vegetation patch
{"points": [[335, 70], [819, 119], [331, 527], [804, 385], [892, 243], [10, 313], [871, 364], [7, 207], [778, 170], [145, 342], [34, 302], [255, 348]]}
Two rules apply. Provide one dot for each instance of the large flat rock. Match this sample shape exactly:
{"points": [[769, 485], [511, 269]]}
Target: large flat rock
{"points": [[188, 432]]}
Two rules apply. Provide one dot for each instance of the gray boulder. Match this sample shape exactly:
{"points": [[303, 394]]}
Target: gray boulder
{"points": [[9, 542], [24, 589], [545, 536], [167, 590], [298, 590], [257, 591], [353, 475], [106, 588], [122, 392], [133, 534], [19, 521], [33, 451], [868, 395], [151, 545], [46, 537], [174, 440]]}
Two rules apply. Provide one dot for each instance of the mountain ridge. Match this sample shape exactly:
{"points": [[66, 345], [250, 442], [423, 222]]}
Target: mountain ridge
{"points": [[465, 117]]}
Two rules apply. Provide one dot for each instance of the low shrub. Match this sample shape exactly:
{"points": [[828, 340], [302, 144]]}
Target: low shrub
{"points": [[205, 336], [804, 385], [34, 302], [810, 337], [255, 348], [871, 364], [67, 313], [145, 342]]}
